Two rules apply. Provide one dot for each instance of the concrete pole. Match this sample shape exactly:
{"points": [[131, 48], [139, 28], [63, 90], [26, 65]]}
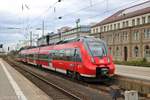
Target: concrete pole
{"points": [[31, 38], [43, 28]]}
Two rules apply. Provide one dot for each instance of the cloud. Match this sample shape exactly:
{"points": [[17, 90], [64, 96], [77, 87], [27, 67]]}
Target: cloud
{"points": [[9, 38], [12, 14]]}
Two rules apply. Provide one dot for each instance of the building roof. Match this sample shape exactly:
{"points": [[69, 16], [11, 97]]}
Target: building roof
{"points": [[81, 26], [133, 11]]}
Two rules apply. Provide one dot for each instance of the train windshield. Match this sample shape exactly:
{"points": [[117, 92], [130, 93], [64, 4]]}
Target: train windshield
{"points": [[96, 48]]}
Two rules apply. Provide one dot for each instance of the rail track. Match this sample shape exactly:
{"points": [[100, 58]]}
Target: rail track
{"points": [[103, 88], [66, 95], [78, 90]]}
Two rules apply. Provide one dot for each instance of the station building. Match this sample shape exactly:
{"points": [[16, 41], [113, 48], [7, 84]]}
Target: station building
{"points": [[127, 33], [68, 33], [83, 30]]}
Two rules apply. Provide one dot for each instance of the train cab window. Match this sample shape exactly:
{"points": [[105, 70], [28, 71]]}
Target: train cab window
{"points": [[78, 56], [96, 48]]}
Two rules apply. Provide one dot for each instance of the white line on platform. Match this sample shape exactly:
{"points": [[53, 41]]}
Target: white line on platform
{"points": [[16, 88]]}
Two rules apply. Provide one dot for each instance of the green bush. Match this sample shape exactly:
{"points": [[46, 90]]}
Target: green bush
{"points": [[144, 60], [142, 63]]}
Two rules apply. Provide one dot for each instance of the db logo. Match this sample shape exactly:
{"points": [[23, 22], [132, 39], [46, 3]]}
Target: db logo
{"points": [[101, 61]]}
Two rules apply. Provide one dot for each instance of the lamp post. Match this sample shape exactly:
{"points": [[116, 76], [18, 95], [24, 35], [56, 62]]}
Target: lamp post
{"points": [[60, 32], [77, 25]]}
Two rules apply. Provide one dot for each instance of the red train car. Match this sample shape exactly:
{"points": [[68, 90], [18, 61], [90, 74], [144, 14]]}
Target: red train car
{"points": [[22, 55], [84, 56]]}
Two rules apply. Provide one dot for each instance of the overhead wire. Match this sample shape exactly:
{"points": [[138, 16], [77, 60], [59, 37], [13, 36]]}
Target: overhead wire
{"points": [[116, 8], [101, 14], [68, 14], [45, 11], [107, 11]]}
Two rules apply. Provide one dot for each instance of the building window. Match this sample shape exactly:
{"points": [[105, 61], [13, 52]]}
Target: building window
{"points": [[136, 51], [123, 24], [148, 19], [127, 23], [125, 36], [110, 27], [96, 30], [117, 51], [135, 35], [118, 25], [117, 36], [143, 20], [114, 26], [101, 29], [147, 51], [146, 33], [104, 28], [138, 21], [133, 22], [109, 38], [93, 30], [100, 35]]}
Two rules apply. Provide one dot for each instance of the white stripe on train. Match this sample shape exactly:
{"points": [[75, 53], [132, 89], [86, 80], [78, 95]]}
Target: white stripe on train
{"points": [[62, 70]]}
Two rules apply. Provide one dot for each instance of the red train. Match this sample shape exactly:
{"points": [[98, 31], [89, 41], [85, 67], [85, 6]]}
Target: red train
{"points": [[81, 57]]}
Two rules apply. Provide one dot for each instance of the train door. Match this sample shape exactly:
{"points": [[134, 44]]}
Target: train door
{"points": [[77, 59], [77, 62], [68, 58], [50, 58]]}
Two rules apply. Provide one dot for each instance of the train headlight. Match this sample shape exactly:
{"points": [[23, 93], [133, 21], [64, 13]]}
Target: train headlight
{"points": [[92, 59], [108, 59]]}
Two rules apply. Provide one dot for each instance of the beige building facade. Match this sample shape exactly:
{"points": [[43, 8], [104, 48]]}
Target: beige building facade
{"points": [[127, 33]]}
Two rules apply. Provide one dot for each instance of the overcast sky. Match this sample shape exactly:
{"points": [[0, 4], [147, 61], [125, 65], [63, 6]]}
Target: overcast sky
{"points": [[28, 14]]}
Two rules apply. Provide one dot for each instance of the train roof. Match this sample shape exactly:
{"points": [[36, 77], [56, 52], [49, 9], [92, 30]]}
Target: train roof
{"points": [[81, 38], [75, 39]]}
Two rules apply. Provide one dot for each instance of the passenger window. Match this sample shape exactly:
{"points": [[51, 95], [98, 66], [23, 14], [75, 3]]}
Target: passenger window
{"points": [[43, 56], [67, 56], [35, 56], [55, 55], [51, 53], [61, 54]]}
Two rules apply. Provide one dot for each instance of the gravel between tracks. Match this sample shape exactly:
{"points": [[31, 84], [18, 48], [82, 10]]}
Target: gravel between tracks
{"points": [[84, 92]]}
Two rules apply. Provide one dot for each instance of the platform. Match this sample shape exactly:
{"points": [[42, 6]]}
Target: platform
{"points": [[134, 78], [14, 86], [142, 73]]}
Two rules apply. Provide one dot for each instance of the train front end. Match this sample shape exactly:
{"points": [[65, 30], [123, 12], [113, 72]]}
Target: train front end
{"points": [[98, 62]]}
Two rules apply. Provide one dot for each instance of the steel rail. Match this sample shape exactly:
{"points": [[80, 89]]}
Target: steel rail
{"points": [[49, 83]]}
